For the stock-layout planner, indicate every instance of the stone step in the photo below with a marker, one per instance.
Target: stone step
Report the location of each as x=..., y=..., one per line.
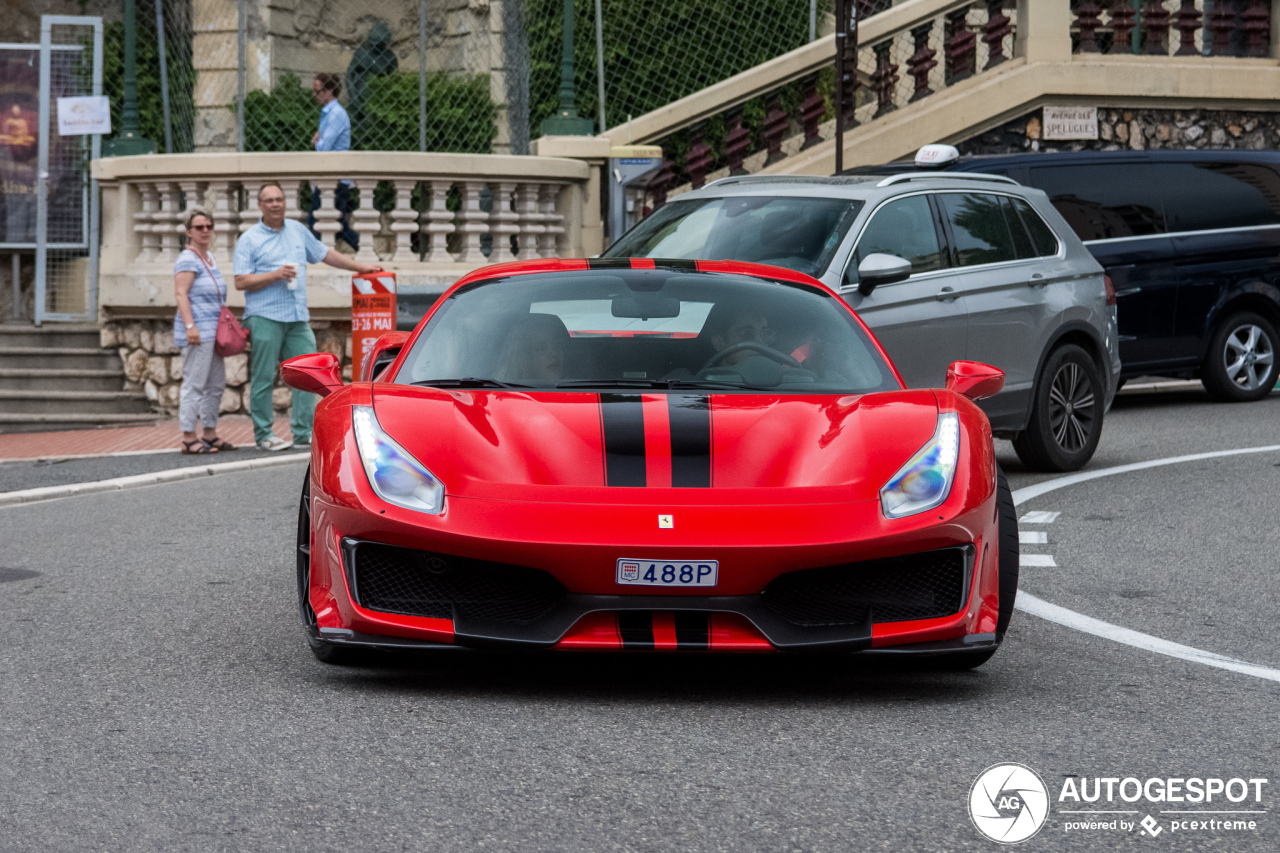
x=74, y=402
x=49, y=335
x=11, y=422
x=63, y=358
x=54, y=379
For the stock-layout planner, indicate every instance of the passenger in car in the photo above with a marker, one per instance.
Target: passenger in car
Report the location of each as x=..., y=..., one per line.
x=534, y=351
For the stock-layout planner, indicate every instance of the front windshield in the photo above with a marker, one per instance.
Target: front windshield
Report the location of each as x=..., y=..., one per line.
x=794, y=232
x=660, y=329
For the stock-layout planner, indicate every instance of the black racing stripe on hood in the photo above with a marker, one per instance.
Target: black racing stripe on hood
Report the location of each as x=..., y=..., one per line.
x=622, y=423
x=608, y=263
x=690, y=416
x=635, y=630
x=693, y=630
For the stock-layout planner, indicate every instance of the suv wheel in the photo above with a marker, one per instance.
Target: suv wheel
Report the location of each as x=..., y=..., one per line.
x=1241, y=363
x=1066, y=413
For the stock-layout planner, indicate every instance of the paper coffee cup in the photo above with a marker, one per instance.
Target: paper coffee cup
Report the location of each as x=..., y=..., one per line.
x=292, y=283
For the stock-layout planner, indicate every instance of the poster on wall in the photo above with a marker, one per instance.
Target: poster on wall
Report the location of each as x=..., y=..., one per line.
x=19, y=144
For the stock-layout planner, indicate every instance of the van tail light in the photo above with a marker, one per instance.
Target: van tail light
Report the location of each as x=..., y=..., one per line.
x=1111, y=290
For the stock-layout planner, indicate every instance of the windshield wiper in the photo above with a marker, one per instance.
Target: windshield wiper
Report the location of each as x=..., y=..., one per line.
x=613, y=383
x=469, y=382
x=668, y=384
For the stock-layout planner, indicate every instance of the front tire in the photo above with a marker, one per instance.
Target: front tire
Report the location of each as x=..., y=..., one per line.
x=1066, y=413
x=1008, y=566
x=324, y=651
x=1240, y=366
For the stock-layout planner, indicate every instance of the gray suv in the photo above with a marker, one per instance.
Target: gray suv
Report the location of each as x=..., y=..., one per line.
x=943, y=267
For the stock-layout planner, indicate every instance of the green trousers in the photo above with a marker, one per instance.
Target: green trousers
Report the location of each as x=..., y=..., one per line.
x=273, y=342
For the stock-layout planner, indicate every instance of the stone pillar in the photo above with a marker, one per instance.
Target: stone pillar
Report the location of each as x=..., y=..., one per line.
x=1044, y=30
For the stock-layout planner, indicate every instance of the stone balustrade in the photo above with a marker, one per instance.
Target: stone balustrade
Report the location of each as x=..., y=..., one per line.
x=429, y=217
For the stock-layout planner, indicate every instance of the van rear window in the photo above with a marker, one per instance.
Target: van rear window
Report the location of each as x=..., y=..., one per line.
x=1102, y=202
x=1200, y=196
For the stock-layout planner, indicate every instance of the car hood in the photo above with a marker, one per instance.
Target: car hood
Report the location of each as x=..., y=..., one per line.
x=578, y=446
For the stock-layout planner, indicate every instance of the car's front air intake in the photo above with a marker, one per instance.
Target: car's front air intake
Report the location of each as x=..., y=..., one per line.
x=897, y=589
x=422, y=583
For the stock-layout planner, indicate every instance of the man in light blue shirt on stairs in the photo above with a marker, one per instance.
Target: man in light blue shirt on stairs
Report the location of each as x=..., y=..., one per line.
x=270, y=266
x=334, y=135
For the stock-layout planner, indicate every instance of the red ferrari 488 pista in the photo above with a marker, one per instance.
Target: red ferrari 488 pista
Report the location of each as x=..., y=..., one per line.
x=650, y=455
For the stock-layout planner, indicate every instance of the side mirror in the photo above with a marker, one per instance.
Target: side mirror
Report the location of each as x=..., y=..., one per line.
x=317, y=372
x=879, y=268
x=382, y=353
x=974, y=380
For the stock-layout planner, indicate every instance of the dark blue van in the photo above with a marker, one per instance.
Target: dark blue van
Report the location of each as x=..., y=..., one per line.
x=1191, y=242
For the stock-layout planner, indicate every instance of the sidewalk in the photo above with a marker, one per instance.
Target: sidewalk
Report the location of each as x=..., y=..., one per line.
x=105, y=441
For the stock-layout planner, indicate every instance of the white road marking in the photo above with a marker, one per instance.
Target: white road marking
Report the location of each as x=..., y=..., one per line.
x=1036, y=560
x=46, y=493
x=1038, y=517
x=1029, y=603
x=1033, y=537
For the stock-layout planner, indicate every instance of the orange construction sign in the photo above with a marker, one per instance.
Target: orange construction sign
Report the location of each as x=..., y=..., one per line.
x=373, y=313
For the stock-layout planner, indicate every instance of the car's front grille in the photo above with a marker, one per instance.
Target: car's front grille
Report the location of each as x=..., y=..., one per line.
x=422, y=583
x=896, y=589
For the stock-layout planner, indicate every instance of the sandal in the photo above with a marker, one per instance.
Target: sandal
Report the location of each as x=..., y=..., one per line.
x=218, y=443
x=197, y=447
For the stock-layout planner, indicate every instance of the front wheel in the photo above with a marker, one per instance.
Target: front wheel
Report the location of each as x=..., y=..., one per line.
x=1066, y=413
x=1008, y=564
x=1241, y=363
x=324, y=651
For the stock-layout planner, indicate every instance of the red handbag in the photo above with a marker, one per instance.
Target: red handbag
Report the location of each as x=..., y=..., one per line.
x=231, y=338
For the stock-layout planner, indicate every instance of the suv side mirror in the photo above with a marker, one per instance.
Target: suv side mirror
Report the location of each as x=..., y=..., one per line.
x=974, y=380
x=879, y=268
x=317, y=372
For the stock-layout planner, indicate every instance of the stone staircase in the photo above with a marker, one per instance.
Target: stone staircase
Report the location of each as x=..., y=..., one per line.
x=57, y=377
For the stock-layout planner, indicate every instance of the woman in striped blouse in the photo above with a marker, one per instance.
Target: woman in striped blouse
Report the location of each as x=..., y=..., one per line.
x=200, y=292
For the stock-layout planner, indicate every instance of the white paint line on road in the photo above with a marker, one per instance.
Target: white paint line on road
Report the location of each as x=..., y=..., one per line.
x=1045, y=560
x=1039, y=517
x=1033, y=537
x=1029, y=603
x=155, y=478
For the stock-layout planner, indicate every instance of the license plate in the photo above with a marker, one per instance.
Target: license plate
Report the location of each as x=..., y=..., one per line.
x=668, y=572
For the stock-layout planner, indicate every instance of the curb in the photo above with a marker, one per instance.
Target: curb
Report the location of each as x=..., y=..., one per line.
x=155, y=478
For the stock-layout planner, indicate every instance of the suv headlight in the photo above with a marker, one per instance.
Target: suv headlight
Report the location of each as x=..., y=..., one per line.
x=925, y=481
x=395, y=475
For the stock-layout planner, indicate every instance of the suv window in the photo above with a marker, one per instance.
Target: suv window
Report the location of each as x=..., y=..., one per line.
x=1203, y=195
x=903, y=227
x=978, y=227
x=1042, y=235
x=1101, y=202
x=801, y=233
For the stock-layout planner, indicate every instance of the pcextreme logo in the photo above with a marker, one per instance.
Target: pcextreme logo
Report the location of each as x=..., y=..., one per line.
x=1009, y=803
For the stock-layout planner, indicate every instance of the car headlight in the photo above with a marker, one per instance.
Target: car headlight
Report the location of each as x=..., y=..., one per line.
x=925, y=481
x=395, y=475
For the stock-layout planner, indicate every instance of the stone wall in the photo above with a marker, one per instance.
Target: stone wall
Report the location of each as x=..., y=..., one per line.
x=1138, y=130
x=153, y=362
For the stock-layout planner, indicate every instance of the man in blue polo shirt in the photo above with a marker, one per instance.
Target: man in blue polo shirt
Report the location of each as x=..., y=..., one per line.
x=270, y=266
x=334, y=135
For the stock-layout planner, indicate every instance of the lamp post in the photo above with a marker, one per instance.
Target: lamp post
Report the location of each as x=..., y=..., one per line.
x=129, y=140
x=566, y=121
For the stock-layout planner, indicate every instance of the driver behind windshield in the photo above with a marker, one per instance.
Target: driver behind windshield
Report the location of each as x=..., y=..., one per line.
x=534, y=351
x=733, y=325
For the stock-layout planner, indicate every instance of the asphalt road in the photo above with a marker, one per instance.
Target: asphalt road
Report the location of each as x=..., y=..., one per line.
x=155, y=692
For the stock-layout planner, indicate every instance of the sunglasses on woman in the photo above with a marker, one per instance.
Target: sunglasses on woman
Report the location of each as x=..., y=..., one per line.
x=201, y=228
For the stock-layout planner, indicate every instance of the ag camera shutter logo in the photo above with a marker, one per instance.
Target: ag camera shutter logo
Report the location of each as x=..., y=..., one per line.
x=1008, y=803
